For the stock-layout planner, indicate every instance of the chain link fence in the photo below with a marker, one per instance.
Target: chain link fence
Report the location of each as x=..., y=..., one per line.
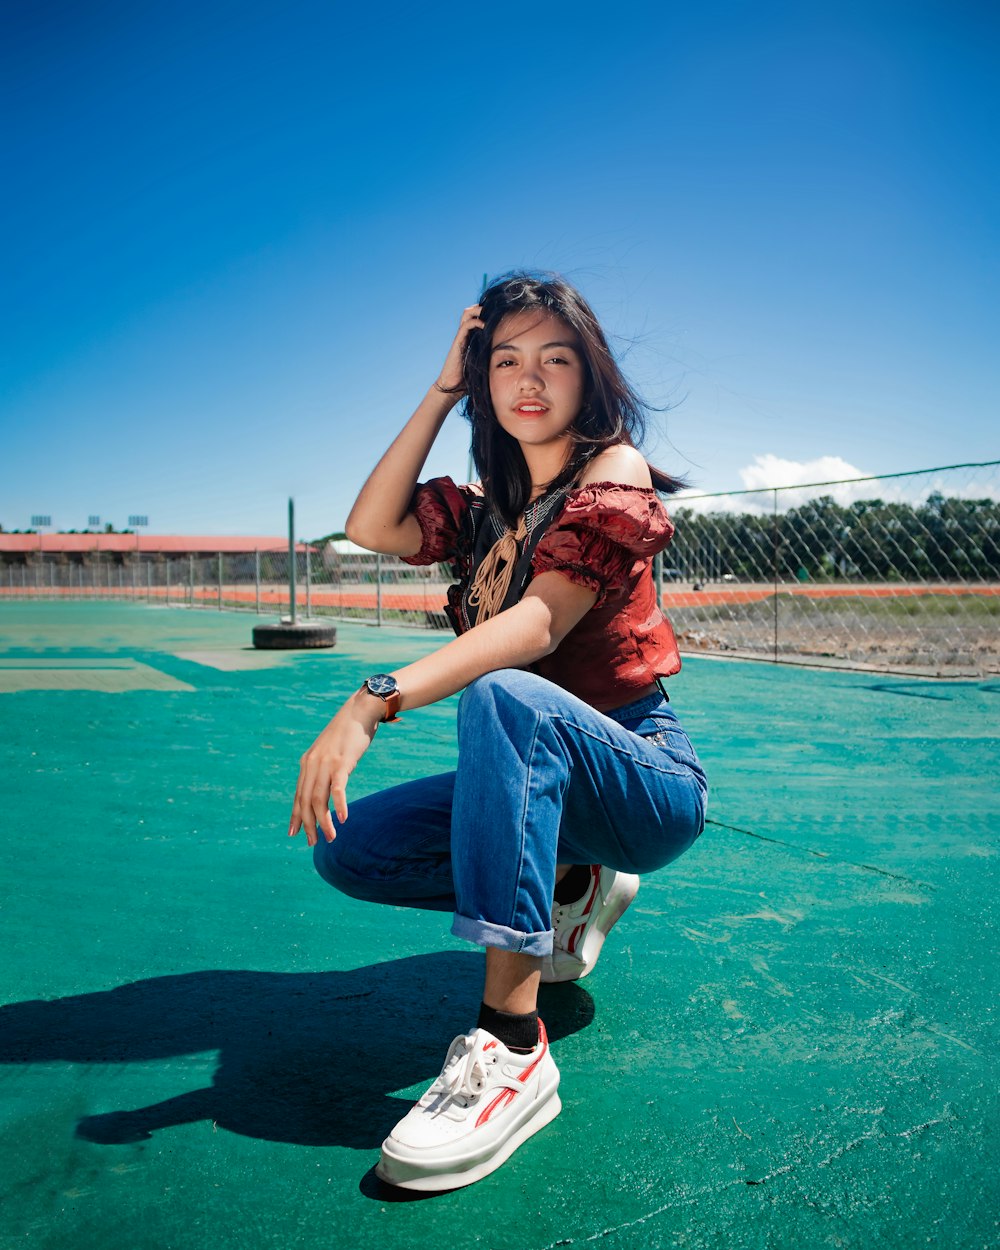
x=352, y=586
x=900, y=573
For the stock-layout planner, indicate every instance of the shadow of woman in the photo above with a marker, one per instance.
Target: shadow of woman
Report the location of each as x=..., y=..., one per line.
x=309, y=1058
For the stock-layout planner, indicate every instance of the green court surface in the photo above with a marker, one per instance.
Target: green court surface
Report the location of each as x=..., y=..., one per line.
x=790, y=1041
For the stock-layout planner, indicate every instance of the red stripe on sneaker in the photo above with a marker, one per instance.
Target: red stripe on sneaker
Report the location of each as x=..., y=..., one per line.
x=595, y=872
x=501, y=1100
x=508, y=1094
x=490, y=1045
x=571, y=944
x=543, y=1041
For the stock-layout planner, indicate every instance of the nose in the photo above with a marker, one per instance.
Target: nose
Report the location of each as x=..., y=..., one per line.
x=528, y=380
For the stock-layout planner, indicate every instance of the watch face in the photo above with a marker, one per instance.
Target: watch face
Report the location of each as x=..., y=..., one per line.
x=381, y=684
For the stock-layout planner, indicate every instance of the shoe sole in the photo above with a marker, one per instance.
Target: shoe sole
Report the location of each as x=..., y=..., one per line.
x=405, y=1174
x=613, y=908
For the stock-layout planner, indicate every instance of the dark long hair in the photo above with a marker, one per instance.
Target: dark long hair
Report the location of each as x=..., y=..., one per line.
x=612, y=412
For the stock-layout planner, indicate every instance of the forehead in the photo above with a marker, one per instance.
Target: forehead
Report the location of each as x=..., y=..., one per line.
x=534, y=326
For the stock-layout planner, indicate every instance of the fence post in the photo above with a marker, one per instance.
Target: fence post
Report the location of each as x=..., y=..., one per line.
x=190, y=581
x=220, y=581
x=292, y=592
x=167, y=587
x=308, y=583
x=378, y=588
x=256, y=577
x=774, y=560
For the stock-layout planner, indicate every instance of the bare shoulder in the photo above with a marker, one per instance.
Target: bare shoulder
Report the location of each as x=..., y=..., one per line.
x=620, y=463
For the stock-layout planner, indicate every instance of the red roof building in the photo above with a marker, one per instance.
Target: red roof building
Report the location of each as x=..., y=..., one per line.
x=21, y=548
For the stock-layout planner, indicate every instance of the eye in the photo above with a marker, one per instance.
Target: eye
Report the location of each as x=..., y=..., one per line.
x=502, y=362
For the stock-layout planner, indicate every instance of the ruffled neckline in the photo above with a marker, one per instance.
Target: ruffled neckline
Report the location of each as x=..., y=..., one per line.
x=606, y=485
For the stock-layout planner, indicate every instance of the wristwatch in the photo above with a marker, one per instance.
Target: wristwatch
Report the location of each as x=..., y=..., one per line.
x=385, y=688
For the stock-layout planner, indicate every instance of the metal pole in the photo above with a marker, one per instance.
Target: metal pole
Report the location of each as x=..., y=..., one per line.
x=308, y=583
x=378, y=588
x=291, y=558
x=191, y=581
x=256, y=577
x=220, y=581
x=774, y=558
x=167, y=581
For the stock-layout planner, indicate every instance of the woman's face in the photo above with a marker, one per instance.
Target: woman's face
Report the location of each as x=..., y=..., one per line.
x=537, y=377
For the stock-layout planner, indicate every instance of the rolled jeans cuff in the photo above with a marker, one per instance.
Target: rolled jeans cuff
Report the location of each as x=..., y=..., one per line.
x=483, y=933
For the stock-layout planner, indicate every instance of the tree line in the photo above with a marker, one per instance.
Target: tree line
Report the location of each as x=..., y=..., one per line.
x=944, y=539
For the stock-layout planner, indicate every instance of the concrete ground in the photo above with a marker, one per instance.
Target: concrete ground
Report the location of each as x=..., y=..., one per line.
x=790, y=1040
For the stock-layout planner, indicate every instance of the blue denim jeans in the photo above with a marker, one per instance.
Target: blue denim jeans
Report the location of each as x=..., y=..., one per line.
x=542, y=779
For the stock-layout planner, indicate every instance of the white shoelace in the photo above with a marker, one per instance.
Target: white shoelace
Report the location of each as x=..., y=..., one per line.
x=465, y=1074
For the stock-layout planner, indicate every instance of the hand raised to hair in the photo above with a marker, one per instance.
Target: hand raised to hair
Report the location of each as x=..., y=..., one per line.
x=451, y=376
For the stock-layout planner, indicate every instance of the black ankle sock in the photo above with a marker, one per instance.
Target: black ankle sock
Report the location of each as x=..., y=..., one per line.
x=518, y=1033
x=574, y=884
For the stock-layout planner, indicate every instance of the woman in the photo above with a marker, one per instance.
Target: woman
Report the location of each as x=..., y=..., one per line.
x=573, y=773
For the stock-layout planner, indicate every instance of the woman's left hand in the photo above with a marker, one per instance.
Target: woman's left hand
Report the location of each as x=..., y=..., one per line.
x=326, y=766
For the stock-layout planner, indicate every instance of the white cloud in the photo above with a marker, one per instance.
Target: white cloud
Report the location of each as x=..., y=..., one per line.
x=768, y=471
x=802, y=480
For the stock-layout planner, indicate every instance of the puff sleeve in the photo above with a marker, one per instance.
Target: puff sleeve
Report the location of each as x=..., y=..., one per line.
x=605, y=533
x=440, y=508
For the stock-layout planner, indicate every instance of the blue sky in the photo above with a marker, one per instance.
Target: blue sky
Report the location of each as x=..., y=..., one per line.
x=237, y=237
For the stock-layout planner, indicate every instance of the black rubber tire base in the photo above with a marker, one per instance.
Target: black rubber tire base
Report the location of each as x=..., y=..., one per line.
x=289, y=637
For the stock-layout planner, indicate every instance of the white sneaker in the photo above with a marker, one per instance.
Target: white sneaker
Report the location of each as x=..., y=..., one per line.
x=581, y=927
x=487, y=1101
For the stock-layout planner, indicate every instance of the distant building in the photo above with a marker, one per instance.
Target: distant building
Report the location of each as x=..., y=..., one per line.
x=84, y=549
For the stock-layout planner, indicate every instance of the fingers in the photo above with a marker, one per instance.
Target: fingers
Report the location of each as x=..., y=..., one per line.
x=450, y=379
x=339, y=796
x=311, y=810
x=325, y=768
x=471, y=319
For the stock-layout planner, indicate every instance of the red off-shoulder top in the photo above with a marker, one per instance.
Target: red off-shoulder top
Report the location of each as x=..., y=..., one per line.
x=604, y=537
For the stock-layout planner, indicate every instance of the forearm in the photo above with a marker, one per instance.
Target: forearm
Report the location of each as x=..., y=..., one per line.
x=523, y=633
x=380, y=518
x=513, y=640
x=530, y=629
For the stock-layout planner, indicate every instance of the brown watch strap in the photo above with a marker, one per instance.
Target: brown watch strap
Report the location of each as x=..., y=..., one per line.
x=391, y=707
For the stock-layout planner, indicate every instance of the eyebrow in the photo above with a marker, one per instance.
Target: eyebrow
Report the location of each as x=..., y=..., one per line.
x=509, y=347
